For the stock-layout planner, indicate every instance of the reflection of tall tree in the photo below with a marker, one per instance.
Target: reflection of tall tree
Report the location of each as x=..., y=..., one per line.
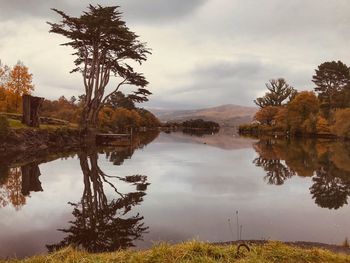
x=331, y=187
x=101, y=225
x=17, y=183
x=276, y=171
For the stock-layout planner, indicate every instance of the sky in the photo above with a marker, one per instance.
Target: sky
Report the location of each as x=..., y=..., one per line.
x=204, y=52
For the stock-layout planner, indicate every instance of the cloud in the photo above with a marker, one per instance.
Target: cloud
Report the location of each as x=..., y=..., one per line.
x=205, y=52
x=135, y=10
x=238, y=81
x=159, y=10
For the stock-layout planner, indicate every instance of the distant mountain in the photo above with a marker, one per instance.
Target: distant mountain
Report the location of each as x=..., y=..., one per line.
x=225, y=115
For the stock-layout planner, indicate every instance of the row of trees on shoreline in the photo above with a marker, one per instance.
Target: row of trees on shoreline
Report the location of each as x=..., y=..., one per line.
x=324, y=111
x=119, y=112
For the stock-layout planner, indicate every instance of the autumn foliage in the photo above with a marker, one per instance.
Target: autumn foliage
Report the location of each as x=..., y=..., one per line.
x=325, y=112
x=14, y=83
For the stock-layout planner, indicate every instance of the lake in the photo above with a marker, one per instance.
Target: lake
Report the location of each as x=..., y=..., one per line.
x=175, y=187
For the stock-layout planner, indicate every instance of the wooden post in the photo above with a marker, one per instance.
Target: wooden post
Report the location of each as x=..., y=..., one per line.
x=31, y=107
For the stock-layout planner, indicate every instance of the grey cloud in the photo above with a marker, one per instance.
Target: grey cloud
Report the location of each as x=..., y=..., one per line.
x=135, y=10
x=227, y=69
x=159, y=10
x=274, y=19
x=225, y=82
x=233, y=46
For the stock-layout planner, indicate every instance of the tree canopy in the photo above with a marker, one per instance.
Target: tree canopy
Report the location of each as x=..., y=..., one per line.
x=278, y=92
x=104, y=47
x=14, y=83
x=332, y=80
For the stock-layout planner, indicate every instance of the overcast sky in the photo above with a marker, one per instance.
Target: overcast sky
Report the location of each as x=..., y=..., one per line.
x=205, y=52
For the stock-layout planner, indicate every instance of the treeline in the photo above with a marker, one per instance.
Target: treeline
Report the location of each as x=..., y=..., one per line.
x=324, y=111
x=193, y=124
x=118, y=114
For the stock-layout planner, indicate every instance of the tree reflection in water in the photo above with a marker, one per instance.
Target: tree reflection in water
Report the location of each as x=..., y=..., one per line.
x=331, y=186
x=103, y=225
x=17, y=183
x=328, y=163
x=276, y=171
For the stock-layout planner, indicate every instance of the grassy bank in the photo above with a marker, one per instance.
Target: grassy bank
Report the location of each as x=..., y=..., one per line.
x=198, y=252
x=257, y=130
x=16, y=124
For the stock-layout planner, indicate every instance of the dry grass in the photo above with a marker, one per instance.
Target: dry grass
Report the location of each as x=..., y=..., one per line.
x=196, y=252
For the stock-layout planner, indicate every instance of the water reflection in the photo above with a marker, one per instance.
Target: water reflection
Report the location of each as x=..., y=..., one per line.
x=17, y=183
x=19, y=174
x=99, y=206
x=328, y=163
x=199, y=132
x=102, y=218
x=102, y=225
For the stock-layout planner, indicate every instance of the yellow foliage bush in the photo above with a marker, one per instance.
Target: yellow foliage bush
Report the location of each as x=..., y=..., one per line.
x=341, y=125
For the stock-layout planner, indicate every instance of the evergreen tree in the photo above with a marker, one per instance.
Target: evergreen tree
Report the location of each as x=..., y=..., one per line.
x=332, y=81
x=104, y=47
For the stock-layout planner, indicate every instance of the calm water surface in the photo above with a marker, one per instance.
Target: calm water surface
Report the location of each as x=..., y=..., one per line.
x=174, y=188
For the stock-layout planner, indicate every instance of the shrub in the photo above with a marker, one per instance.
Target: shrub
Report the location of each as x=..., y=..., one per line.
x=322, y=126
x=341, y=125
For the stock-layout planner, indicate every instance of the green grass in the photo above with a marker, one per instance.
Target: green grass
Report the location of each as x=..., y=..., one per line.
x=196, y=252
x=16, y=124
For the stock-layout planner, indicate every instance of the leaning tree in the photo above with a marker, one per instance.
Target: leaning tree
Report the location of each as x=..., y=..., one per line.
x=104, y=48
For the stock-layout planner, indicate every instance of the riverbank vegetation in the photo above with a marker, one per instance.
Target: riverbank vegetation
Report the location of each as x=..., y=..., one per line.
x=322, y=112
x=197, y=252
x=118, y=114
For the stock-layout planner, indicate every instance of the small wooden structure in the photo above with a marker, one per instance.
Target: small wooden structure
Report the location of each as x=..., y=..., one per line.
x=30, y=179
x=31, y=107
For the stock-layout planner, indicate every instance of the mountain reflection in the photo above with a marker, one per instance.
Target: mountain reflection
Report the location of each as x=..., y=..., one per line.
x=328, y=163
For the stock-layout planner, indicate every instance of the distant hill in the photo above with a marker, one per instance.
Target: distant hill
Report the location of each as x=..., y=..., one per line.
x=225, y=115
